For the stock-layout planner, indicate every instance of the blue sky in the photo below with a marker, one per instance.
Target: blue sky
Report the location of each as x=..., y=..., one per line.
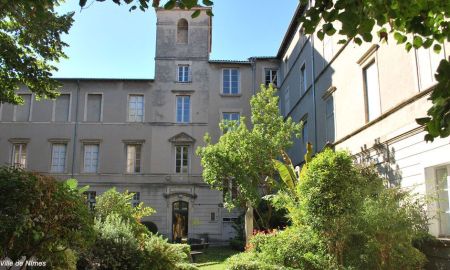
x=108, y=41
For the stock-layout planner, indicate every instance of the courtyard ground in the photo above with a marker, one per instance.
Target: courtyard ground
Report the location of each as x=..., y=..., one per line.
x=213, y=258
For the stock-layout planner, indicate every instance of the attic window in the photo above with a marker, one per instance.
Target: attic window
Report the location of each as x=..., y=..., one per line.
x=182, y=31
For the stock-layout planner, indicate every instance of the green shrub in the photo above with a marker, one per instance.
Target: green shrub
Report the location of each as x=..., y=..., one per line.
x=122, y=242
x=62, y=260
x=161, y=255
x=343, y=217
x=115, y=246
x=120, y=204
x=32, y=222
x=389, y=231
x=294, y=247
x=249, y=261
x=363, y=224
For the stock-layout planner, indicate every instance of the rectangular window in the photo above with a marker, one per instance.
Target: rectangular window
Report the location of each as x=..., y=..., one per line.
x=19, y=155
x=91, y=158
x=182, y=159
x=58, y=157
x=23, y=111
x=305, y=133
x=133, y=158
x=303, y=85
x=271, y=77
x=231, y=81
x=136, y=108
x=136, y=199
x=442, y=187
x=183, y=109
x=231, y=116
x=427, y=61
x=94, y=108
x=286, y=67
x=229, y=189
x=184, y=73
x=329, y=119
x=372, y=92
x=287, y=102
x=213, y=216
x=90, y=199
x=62, y=108
x=328, y=50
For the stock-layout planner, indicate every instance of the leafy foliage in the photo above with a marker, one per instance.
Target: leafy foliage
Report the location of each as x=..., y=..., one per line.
x=437, y=124
x=120, y=203
x=30, y=40
x=296, y=247
x=122, y=242
x=244, y=155
x=247, y=261
x=169, y=4
x=361, y=223
x=116, y=246
x=31, y=220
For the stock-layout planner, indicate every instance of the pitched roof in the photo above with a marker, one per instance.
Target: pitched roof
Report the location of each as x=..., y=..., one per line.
x=291, y=30
x=222, y=61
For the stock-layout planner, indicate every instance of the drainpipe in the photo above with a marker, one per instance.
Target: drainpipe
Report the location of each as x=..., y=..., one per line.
x=313, y=87
x=75, y=129
x=253, y=62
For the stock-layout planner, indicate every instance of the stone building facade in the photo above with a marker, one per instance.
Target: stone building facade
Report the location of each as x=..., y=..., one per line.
x=141, y=135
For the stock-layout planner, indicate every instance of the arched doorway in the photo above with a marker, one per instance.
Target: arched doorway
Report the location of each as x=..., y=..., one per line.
x=180, y=213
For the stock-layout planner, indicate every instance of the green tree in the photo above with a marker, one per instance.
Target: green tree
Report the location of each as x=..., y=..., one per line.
x=363, y=224
x=31, y=220
x=30, y=44
x=244, y=155
x=122, y=242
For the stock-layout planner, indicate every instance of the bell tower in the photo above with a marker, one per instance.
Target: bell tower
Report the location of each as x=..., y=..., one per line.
x=181, y=37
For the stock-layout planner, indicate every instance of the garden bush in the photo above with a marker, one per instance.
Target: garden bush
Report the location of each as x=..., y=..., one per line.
x=115, y=246
x=295, y=247
x=161, y=255
x=363, y=224
x=122, y=242
x=250, y=261
x=343, y=216
x=31, y=221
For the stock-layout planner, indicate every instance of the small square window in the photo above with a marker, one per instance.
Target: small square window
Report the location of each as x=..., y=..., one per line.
x=271, y=77
x=184, y=73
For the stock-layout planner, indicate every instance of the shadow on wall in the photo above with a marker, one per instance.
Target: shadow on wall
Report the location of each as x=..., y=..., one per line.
x=383, y=157
x=309, y=96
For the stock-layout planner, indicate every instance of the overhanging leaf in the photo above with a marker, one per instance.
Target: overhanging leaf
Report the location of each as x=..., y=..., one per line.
x=286, y=173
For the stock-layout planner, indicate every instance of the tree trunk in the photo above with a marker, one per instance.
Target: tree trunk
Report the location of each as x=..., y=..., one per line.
x=248, y=222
